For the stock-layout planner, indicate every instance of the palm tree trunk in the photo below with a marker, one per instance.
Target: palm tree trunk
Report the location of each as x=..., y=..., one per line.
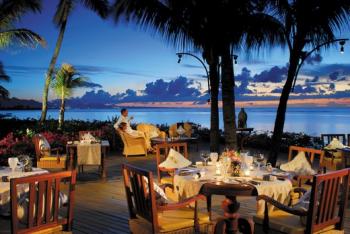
x=51, y=69
x=62, y=109
x=282, y=108
x=228, y=103
x=214, y=108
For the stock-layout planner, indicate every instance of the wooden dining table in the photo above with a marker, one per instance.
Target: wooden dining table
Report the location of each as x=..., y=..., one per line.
x=187, y=185
x=72, y=150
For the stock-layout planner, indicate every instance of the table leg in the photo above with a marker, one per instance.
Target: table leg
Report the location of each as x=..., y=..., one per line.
x=103, y=172
x=231, y=207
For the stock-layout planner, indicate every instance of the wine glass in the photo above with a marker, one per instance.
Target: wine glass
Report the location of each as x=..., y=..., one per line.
x=13, y=161
x=259, y=159
x=214, y=157
x=205, y=156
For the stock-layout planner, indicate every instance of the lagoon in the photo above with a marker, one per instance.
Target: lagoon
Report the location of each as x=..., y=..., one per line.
x=312, y=121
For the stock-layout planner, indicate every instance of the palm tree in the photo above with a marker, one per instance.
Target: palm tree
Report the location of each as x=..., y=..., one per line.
x=214, y=27
x=64, y=9
x=66, y=80
x=305, y=24
x=10, y=12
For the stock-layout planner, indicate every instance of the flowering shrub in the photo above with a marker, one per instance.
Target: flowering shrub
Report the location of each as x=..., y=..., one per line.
x=13, y=146
x=56, y=139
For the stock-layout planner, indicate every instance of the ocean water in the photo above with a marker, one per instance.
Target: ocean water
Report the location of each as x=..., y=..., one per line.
x=312, y=121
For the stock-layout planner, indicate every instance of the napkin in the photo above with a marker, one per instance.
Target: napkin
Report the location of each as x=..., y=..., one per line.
x=299, y=165
x=335, y=144
x=88, y=138
x=175, y=160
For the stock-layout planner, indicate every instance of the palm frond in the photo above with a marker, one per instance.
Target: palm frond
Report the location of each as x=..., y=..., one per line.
x=101, y=7
x=12, y=10
x=63, y=9
x=22, y=37
x=3, y=75
x=4, y=93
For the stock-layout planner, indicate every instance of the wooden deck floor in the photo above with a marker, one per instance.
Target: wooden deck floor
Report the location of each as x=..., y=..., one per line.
x=100, y=206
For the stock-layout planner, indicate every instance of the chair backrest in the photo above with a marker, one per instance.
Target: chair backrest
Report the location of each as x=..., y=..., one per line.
x=328, y=201
x=173, y=129
x=327, y=138
x=309, y=153
x=140, y=194
x=44, y=198
x=36, y=141
x=162, y=151
x=95, y=133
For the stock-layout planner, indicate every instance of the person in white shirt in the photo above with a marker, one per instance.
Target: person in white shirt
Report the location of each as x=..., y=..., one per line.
x=123, y=123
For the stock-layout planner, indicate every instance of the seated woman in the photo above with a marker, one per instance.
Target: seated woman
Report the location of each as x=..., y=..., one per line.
x=133, y=133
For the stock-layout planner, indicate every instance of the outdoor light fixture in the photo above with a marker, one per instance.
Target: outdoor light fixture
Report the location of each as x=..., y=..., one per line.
x=342, y=43
x=235, y=57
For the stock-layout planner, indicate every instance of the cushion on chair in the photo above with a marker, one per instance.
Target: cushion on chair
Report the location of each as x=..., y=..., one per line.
x=283, y=222
x=175, y=160
x=43, y=144
x=299, y=165
x=166, y=180
x=171, y=221
x=335, y=144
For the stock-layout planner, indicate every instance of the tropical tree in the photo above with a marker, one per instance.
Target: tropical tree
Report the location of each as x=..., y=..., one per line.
x=213, y=27
x=305, y=24
x=66, y=80
x=10, y=12
x=63, y=11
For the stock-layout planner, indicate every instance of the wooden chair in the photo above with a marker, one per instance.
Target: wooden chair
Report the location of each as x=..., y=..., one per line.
x=148, y=216
x=95, y=133
x=326, y=211
x=173, y=129
x=327, y=138
x=133, y=145
x=45, y=157
x=166, y=175
x=43, y=210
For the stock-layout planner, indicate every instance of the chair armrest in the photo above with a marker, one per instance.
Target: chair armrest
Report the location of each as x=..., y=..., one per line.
x=281, y=206
x=184, y=203
x=167, y=169
x=299, y=190
x=164, y=186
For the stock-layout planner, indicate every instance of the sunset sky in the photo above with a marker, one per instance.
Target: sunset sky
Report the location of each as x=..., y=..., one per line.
x=121, y=57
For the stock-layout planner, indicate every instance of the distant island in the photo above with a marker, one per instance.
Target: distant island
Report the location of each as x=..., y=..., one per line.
x=23, y=104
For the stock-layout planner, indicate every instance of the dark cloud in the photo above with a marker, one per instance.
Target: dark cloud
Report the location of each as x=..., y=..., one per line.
x=334, y=76
x=275, y=75
x=332, y=87
x=299, y=89
x=277, y=90
x=192, y=66
x=244, y=76
x=312, y=60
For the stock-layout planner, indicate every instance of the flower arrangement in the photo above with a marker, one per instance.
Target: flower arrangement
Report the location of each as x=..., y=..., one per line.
x=235, y=161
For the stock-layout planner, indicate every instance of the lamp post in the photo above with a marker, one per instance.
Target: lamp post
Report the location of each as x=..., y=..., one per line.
x=180, y=54
x=305, y=55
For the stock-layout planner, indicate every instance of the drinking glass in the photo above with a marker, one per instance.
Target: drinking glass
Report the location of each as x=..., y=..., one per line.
x=205, y=156
x=214, y=157
x=13, y=161
x=259, y=159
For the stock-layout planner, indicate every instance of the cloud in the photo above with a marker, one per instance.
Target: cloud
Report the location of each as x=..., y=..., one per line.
x=331, y=87
x=275, y=75
x=244, y=76
x=334, y=75
x=299, y=89
x=312, y=60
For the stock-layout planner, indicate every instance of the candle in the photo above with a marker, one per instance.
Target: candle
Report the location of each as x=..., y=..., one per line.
x=247, y=173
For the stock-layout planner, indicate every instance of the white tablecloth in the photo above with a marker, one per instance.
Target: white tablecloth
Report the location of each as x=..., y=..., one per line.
x=187, y=186
x=5, y=186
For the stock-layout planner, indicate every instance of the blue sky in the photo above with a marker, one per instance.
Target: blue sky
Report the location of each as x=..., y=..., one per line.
x=121, y=57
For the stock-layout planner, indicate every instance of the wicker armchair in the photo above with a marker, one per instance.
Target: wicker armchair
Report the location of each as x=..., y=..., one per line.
x=133, y=145
x=148, y=129
x=186, y=126
x=47, y=157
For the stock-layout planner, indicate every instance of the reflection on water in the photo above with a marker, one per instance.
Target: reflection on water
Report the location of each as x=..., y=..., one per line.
x=313, y=121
